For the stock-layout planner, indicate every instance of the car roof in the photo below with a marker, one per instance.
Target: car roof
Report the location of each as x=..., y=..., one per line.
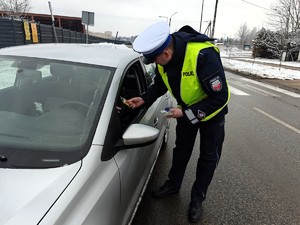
x=99, y=54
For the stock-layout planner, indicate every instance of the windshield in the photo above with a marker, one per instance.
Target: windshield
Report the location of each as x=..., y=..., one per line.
x=48, y=110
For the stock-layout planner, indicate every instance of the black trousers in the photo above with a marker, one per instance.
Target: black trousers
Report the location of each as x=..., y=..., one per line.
x=212, y=135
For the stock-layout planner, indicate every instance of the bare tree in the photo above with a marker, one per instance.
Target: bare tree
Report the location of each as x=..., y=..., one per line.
x=15, y=8
x=284, y=16
x=252, y=35
x=243, y=33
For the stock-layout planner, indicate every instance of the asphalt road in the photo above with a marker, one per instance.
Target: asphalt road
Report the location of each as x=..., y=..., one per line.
x=258, y=179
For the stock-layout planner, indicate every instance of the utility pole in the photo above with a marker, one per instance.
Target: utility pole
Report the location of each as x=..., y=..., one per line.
x=201, y=16
x=53, y=22
x=116, y=37
x=214, y=22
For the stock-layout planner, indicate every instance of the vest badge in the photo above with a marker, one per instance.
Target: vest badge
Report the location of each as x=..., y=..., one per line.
x=188, y=73
x=216, y=84
x=201, y=115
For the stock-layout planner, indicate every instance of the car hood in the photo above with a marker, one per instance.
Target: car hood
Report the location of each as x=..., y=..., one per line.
x=27, y=194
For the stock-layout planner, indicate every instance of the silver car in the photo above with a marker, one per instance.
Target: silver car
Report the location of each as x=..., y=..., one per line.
x=71, y=150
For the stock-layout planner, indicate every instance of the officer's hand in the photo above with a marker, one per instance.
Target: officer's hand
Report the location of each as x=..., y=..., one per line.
x=135, y=102
x=175, y=113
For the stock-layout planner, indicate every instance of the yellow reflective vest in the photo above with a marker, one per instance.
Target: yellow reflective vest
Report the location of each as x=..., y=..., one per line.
x=191, y=91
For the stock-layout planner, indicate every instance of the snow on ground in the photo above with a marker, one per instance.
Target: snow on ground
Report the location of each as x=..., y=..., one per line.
x=255, y=66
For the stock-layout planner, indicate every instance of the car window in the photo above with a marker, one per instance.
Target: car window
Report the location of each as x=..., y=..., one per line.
x=48, y=109
x=133, y=85
x=45, y=70
x=7, y=73
x=150, y=72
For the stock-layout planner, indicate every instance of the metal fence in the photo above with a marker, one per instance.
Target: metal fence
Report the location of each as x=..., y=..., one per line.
x=18, y=32
x=11, y=33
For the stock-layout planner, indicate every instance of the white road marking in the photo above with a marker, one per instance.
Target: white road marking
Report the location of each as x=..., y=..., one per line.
x=255, y=89
x=278, y=120
x=237, y=91
x=295, y=95
x=260, y=91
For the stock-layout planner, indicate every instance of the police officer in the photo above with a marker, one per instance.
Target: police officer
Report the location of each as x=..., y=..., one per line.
x=190, y=68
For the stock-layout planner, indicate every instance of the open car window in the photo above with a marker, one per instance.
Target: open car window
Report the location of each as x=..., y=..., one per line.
x=133, y=84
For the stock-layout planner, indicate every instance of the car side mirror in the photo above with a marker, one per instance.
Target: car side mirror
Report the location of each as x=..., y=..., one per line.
x=136, y=135
x=139, y=135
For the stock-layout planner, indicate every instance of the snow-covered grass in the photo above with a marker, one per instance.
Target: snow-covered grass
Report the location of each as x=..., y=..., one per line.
x=266, y=68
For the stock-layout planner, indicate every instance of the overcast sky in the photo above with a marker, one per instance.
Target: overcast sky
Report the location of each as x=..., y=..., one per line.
x=130, y=17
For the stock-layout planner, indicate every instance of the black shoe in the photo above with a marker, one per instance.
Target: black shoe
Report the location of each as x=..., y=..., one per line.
x=195, y=211
x=165, y=190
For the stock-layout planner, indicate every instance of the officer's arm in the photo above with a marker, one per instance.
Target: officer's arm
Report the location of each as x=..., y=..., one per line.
x=212, y=79
x=156, y=90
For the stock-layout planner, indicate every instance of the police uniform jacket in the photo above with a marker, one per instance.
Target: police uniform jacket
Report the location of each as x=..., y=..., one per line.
x=209, y=71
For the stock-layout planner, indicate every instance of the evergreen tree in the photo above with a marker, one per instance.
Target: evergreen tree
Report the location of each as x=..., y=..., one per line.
x=267, y=44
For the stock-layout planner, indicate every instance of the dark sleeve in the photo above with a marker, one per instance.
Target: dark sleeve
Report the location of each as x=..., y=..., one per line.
x=213, y=81
x=157, y=89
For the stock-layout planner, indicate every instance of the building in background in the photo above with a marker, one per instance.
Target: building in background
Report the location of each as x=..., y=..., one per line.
x=65, y=22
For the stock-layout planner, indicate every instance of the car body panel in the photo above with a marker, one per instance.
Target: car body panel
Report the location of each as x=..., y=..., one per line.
x=94, y=193
x=139, y=162
x=73, y=52
x=33, y=191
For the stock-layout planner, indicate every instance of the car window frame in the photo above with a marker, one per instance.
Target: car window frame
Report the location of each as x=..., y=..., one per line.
x=113, y=141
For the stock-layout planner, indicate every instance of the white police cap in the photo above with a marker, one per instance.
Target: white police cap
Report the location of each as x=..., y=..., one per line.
x=153, y=40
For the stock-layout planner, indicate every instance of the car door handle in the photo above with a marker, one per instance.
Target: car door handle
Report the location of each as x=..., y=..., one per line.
x=155, y=122
x=166, y=97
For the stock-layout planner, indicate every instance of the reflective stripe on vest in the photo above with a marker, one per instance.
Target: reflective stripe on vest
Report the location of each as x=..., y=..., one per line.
x=191, y=91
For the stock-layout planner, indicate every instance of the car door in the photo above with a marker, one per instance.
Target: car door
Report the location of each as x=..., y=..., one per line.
x=135, y=164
